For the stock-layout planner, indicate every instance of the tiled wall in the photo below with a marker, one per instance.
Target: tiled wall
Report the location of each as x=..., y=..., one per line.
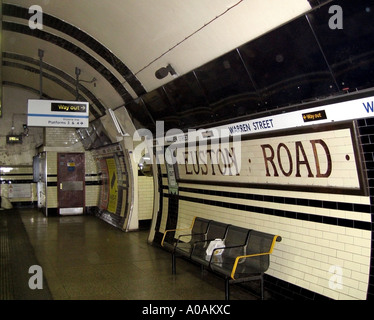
x=11, y=122
x=326, y=236
x=16, y=184
x=145, y=192
x=67, y=140
x=62, y=138
x=92, y=180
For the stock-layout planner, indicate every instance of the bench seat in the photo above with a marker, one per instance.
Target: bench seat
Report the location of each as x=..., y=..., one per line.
x=196, y=232
x=251, y=264
x=215, y=230
x=244, y=257
x=236, y=238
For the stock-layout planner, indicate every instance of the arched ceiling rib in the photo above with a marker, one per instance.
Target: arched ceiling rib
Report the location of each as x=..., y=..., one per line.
x=81, y=36
x=122, y=43
x=17, y=35
x=26, y=88
x=25, y=30
x=61, y=78
x=62, y=61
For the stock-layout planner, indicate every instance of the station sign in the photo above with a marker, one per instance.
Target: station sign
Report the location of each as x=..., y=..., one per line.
x=56, y=113
x=314, y=116
x=329, y=113
x=322, y=113
x=324, y=159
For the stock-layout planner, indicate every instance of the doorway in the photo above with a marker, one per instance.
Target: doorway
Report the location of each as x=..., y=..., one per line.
x=71, y=183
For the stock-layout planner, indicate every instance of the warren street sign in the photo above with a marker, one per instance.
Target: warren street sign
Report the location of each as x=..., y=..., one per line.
x=55, y=113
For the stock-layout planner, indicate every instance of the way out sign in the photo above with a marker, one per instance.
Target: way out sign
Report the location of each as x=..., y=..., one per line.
x=54, y=113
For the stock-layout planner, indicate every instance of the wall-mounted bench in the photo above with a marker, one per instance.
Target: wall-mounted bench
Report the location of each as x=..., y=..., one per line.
x=245, y=256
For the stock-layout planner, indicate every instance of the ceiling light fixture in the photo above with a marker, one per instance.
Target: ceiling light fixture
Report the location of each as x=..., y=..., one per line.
x=164, y=71
x=117, y=124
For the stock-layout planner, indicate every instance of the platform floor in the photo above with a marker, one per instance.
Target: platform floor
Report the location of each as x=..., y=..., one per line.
x=84, y=258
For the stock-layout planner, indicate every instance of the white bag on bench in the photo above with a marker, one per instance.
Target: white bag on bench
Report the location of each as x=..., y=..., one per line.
x=217, y=243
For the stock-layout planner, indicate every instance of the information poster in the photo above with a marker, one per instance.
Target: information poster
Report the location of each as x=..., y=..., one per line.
x=20, y=190
x=113, y=185
x=104, y=196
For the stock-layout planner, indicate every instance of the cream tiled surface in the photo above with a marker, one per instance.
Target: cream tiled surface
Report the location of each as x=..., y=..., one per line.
x=308, y=251
x=84, y=258
x=145, y=194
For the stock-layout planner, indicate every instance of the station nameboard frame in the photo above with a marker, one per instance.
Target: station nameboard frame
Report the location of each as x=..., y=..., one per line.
x=57, y=113
x=323, y=159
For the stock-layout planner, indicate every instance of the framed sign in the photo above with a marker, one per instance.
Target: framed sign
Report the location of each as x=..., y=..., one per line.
x=12, y=139
x=51, y=113
x=172, y=174
x=20, y=191
x=323, y=159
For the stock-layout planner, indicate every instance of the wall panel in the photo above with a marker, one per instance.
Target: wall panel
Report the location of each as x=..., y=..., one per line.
x=326, y=232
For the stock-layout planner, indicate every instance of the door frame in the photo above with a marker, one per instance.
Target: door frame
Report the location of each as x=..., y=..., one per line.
x=73, y=210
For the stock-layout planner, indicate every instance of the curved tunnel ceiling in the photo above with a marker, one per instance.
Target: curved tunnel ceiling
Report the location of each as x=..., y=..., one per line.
x=122, y=43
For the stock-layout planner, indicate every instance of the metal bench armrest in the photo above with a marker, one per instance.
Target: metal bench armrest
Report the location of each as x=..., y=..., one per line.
x=275, y=239
x=171, y=230
x=242, y=257
x=191, y=235
x=226, y=252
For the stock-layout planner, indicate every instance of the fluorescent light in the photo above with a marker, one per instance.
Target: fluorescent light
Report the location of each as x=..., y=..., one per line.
x=118, y=126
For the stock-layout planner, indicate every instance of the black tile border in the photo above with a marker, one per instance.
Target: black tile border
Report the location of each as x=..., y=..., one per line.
x=283, y=200
x=366, y=136
x=279, y=213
